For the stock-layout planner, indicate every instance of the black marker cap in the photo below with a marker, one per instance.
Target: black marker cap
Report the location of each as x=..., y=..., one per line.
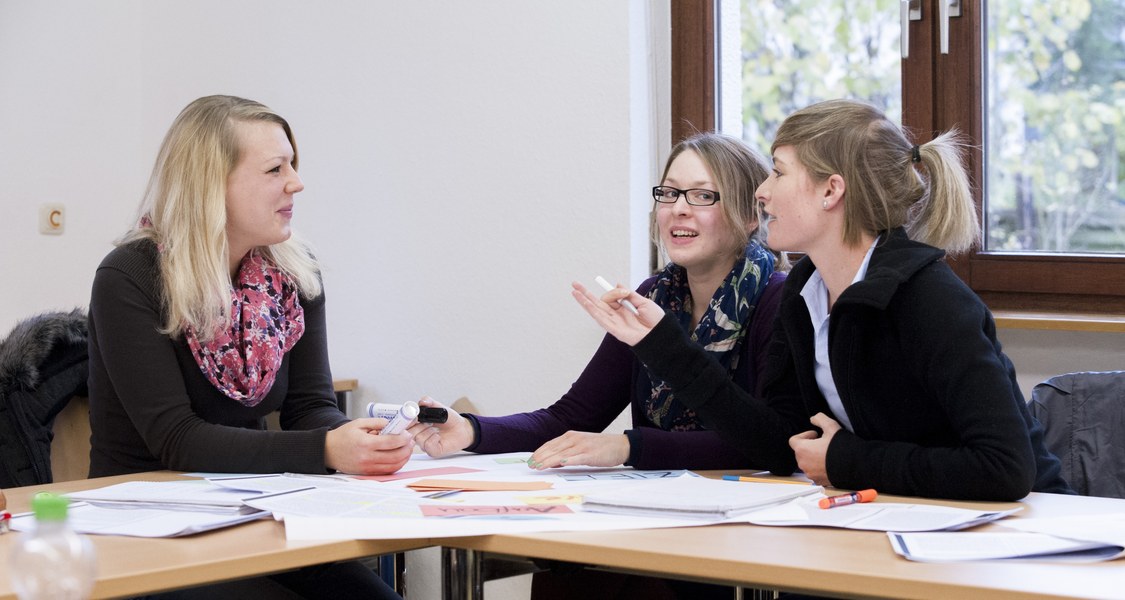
x=430, y=414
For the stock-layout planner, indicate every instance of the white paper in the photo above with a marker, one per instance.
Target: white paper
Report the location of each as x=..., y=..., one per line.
x=189, y=492
x=695, y=497
x=963, y=546
x=335, y=502
x=875, y=516
x=1104, y=528
x=287, y=482
x=319, y=528
x=141, y=522
x=391, y=511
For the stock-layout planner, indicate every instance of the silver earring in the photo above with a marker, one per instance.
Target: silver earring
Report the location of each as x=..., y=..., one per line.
x=825, y=205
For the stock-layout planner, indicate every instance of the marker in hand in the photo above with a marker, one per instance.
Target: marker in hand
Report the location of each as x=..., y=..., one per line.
x=607, y=286
x=402, y=419
x=846, y=499
x=426, y=414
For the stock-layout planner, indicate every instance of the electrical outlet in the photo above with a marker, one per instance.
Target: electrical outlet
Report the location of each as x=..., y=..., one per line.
x=52, y=219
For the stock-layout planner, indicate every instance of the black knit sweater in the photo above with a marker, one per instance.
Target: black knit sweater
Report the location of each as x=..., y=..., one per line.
x=152, y=408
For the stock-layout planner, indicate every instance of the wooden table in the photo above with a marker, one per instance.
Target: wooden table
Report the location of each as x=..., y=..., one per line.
x=826, y=562
x=130, y=566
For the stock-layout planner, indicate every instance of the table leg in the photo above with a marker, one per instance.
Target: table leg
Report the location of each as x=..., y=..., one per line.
x=462, y=574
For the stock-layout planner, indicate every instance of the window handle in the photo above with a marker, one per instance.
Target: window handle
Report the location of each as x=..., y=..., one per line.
x=947, y=9
x=908, y=10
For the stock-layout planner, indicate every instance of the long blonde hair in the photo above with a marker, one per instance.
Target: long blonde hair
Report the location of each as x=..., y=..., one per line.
x=884, y=190
x=184, y=213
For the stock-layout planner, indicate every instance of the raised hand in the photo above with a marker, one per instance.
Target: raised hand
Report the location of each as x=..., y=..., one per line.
x=616, y=319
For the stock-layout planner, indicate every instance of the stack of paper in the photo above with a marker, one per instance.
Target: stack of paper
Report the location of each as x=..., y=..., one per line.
x=141, y=522
x=1070, y=538
x=193, y=495
x=694, y=497
x=991, y=545
x=155, y=509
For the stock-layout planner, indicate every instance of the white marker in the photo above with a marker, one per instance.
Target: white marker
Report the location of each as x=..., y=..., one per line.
x=426, y=414
x=605, y=284
x=402, y=419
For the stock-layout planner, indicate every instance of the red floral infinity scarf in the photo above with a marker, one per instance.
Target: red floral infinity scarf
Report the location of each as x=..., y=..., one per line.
x=266, y=321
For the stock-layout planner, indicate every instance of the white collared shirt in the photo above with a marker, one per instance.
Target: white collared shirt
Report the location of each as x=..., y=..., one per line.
x=815, y=294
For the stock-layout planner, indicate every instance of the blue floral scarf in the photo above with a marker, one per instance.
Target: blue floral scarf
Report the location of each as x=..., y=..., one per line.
x=720, y=332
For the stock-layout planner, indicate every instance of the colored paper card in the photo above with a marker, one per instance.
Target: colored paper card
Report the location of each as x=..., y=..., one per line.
x=418, y=473
x=512, y=460
x=431, y=485
x=475, y=511
x=554, y=499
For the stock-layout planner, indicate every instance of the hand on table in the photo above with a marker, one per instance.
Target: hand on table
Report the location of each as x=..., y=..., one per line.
x=582, y=448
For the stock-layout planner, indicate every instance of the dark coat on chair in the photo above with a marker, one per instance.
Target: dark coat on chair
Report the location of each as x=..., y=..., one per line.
x=42, y=366
x=1084, y=417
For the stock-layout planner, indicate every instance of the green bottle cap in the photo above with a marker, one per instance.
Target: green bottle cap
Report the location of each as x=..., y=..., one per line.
x=49, y=507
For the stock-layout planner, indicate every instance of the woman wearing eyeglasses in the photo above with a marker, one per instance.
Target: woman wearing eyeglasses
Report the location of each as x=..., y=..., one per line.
x=718, y=285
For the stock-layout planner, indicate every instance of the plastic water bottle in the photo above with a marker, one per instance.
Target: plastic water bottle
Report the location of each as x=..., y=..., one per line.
x=52, y=561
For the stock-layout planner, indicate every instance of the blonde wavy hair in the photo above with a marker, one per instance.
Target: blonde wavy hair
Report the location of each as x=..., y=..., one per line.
x=184, y=213
x=877, y=161
x=738, y=171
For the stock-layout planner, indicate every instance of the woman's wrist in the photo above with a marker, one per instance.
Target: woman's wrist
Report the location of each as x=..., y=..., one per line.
x=472, y=431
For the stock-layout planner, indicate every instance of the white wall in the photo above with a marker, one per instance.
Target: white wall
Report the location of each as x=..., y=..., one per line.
x=463, y=163
x=1040, y=355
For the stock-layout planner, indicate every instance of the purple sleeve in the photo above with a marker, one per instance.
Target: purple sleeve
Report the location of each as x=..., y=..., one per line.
x=591, y=404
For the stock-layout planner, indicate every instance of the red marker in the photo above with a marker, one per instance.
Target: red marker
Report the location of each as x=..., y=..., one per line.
x=845, y=499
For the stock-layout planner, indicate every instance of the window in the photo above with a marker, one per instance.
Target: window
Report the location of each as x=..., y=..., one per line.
x=1055, y=131
x=1052, y=87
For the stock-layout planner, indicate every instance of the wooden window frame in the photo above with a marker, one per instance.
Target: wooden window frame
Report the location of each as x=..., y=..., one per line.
x=934, y=86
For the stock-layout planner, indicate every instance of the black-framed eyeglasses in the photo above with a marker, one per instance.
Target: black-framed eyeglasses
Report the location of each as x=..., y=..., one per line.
x=696, y=197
